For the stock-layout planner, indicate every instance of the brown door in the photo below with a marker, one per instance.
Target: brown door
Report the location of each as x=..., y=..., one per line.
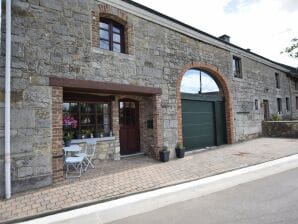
x=266, y=110
x=129, y=127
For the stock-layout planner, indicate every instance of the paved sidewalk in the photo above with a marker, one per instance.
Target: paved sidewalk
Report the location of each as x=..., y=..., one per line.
x=133, y=175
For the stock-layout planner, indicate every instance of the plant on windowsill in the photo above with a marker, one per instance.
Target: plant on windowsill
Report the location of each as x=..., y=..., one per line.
x=67, y=139
x=180, y=150
x=276, y=117
x=164, y=154
x=69, y=123
x=78, y=135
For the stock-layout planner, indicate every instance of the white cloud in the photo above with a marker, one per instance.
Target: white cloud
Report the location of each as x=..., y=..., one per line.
x=264, y=26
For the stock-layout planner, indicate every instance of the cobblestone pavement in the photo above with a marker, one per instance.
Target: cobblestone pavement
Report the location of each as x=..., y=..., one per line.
x=138, y=174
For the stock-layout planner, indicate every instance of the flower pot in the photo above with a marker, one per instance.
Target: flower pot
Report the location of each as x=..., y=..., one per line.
x=180, y=152
x=67, y=142
x=164, y=156
x=78, y=136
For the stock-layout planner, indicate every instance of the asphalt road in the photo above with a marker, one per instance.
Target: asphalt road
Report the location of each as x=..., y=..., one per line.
x=271, y=200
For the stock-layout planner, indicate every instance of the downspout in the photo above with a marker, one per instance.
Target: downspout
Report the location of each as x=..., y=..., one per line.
x=7, y=101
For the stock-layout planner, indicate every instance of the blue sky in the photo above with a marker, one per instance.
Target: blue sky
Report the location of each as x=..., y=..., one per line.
x=264, y=26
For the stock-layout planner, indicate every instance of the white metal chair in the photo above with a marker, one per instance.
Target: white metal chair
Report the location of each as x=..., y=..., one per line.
x=88, y=154
x=73, y=164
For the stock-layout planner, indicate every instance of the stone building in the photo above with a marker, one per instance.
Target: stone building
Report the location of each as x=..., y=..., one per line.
x=117, y=68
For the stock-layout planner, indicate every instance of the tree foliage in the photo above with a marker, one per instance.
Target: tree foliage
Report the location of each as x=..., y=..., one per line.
x=293, y=49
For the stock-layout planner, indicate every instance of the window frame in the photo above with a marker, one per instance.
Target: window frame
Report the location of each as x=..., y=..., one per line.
x=112, y=24
x=279, y=105
x=288, y=104
x=237, y=67
x=256, y=104
x=95, y=114
x=296, y=102
x=296, y=85
x=277, y=80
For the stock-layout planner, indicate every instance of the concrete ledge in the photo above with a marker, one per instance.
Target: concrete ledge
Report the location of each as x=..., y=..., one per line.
x=145, y=202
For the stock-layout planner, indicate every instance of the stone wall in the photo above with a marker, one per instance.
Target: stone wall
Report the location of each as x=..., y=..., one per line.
x=286, y=129
x=56, y=38
x=293, y=99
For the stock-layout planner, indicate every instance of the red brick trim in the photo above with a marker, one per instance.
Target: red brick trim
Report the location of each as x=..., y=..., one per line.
x=57, y=133
x=108, y=12
x=214, y=71
x=157, y=127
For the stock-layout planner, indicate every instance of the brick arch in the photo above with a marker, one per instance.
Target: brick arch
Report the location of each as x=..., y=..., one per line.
x=221, y=80
x=108, y=12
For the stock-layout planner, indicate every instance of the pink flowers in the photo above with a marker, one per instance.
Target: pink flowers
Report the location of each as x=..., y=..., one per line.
x=69, y=120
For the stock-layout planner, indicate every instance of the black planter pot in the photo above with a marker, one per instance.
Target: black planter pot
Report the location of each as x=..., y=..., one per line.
x=67, y=142
x=164, y=156
x=78, y=136
x=180, y=152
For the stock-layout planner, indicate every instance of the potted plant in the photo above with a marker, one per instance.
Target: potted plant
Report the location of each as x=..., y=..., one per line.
x=164, y=154
x=67, y=139
x=180, y=150
x=96, y=134
x=69, y=124
x=78, y=135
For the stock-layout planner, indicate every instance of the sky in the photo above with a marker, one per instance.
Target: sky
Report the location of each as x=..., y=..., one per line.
x=264, y=26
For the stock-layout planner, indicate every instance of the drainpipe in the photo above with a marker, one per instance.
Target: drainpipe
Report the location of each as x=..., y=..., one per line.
x=7, y=101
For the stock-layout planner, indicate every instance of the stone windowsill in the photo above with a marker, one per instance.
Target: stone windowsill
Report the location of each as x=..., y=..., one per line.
x=84, y=140
x=98, y=50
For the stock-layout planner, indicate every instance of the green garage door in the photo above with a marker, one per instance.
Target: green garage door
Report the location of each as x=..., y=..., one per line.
x=203, y=119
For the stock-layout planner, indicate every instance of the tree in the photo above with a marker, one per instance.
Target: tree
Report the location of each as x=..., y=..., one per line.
x=293, y=49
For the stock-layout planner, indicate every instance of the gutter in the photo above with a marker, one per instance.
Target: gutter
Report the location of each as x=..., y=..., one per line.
x=7, y=101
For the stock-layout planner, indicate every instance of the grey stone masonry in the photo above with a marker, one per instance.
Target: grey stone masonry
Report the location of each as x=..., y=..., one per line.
x=54, y=38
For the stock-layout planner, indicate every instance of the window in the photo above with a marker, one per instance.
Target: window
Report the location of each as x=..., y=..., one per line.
x=277, y=80
x=111, y=36
x=196, y=81
x=237, y=67
x=287, y=104
x=296, y=84
x=256, y=105
x=296, y=102
x=93, y=118
x=279, y=105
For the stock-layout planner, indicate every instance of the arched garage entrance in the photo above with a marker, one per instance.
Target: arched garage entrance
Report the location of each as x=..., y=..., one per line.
x=204, y=108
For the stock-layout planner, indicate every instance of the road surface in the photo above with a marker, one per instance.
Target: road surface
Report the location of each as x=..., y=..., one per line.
x=271, y=200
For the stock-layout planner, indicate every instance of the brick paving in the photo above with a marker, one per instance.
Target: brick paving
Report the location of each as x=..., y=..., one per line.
x=113, y=179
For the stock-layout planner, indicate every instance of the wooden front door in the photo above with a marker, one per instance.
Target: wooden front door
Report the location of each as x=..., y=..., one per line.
x=129, y=127
x=266, y=110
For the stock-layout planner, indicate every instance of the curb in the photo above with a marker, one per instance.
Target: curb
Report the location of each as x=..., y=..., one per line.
x=148, y=201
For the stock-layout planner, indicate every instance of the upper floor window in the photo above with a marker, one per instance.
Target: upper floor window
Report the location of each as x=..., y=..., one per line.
x=111, y=36
x=256, y=105
x=296, y=84
x=277, y=80
x=237, y=67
